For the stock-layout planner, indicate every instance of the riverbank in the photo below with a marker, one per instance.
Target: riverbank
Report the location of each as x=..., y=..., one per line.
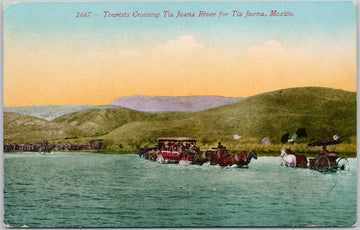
x=259, y=153
x=344, y=149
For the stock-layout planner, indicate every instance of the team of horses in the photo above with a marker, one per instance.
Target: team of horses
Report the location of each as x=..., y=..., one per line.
x=223, y=158
x=292, y=159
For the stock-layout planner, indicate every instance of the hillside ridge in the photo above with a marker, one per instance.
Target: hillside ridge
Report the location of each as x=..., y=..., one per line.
x=138, y=102
x=322, y=112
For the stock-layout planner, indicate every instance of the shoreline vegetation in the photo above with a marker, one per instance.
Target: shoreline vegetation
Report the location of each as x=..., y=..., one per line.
x=346, y=150
x=260, y=153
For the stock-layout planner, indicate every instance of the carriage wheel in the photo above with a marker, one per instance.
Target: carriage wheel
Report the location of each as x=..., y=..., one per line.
x=342, y=163
x=322, y=163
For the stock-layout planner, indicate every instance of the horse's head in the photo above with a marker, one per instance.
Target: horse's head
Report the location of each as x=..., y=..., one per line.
x=253, y=154
x=283, y=152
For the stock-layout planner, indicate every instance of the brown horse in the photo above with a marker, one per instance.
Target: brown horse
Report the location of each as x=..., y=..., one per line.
x=147, y=153
x=223, y=158
x=301, y=161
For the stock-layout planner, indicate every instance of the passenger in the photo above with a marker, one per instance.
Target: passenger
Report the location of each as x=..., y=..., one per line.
x=324, y=151
x=192, y=149
x=167, y=146
x=184, y=150
x=220, y=146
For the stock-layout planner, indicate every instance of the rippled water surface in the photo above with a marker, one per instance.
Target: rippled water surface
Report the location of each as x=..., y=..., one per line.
x=98, y=190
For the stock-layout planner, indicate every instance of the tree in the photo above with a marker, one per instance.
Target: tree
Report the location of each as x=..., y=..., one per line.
x=301, y=132
x=285, y=138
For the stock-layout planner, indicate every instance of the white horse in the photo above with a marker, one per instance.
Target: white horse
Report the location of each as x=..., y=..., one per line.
x=288, y=159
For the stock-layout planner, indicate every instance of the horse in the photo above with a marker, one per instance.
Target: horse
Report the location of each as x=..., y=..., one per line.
x=250, y=156
x=242, y=159
x=202, y=157
x=301, y=161
x=288, y=159
x=147, y=153
x=223, y=158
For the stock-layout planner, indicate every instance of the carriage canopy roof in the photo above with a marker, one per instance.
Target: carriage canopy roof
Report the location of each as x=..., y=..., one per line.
x=176, y=139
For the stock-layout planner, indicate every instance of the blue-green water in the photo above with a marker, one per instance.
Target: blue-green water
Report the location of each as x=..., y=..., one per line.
x=98, y=190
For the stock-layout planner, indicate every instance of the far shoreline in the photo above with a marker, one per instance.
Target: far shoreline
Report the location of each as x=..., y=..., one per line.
x=259, y=153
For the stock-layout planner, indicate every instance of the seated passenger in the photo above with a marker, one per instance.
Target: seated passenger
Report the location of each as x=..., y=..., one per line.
x=324, y=151
x=167, y=146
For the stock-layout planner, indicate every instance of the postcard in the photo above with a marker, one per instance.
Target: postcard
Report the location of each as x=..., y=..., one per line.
x=179, y=114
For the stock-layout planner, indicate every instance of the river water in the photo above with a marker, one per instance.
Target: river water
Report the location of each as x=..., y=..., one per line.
x=72, y=189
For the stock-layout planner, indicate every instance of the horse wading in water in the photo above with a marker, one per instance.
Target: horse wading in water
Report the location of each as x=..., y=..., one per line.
x=223, y=158
x=288, y=159
x=301, y=161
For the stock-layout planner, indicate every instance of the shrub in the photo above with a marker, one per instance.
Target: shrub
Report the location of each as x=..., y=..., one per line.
x=301, y=132
x=285, y=138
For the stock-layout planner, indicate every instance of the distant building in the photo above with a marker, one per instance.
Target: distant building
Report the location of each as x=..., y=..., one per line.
x=265, y=141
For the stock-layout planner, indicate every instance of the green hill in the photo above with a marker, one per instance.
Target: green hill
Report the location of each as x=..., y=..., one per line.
x=22, y=129
x=322, y=112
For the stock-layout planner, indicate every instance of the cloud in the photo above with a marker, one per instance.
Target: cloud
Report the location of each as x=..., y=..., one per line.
x=273, y=51
x=185, y=49
x=184, y=43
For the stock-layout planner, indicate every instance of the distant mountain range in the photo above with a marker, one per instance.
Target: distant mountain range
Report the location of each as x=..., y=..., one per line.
x=173, y=104
x=138, y=103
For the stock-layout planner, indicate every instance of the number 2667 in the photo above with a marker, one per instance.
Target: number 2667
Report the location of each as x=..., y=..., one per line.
x=83, y=14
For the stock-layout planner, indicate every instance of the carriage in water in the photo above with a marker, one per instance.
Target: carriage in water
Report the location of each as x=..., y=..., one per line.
x=183, y=150
x=327, y=161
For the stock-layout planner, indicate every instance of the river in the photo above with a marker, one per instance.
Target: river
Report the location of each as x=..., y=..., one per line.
x=79, y=189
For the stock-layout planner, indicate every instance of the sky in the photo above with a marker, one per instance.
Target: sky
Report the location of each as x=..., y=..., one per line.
x=53, y=57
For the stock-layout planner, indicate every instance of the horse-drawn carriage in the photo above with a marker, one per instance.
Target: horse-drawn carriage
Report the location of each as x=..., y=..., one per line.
x=327, y=161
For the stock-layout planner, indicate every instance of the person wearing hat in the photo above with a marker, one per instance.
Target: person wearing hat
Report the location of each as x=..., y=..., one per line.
x=184, y=150
x=220, y=146
x=192, y=148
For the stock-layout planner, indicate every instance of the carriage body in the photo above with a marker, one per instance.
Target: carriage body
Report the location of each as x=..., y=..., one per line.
x=168, y=150
x=324, y=162
x=327, y=161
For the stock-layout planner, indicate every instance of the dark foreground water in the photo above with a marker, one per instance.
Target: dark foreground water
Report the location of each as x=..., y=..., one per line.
x=96, y=190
